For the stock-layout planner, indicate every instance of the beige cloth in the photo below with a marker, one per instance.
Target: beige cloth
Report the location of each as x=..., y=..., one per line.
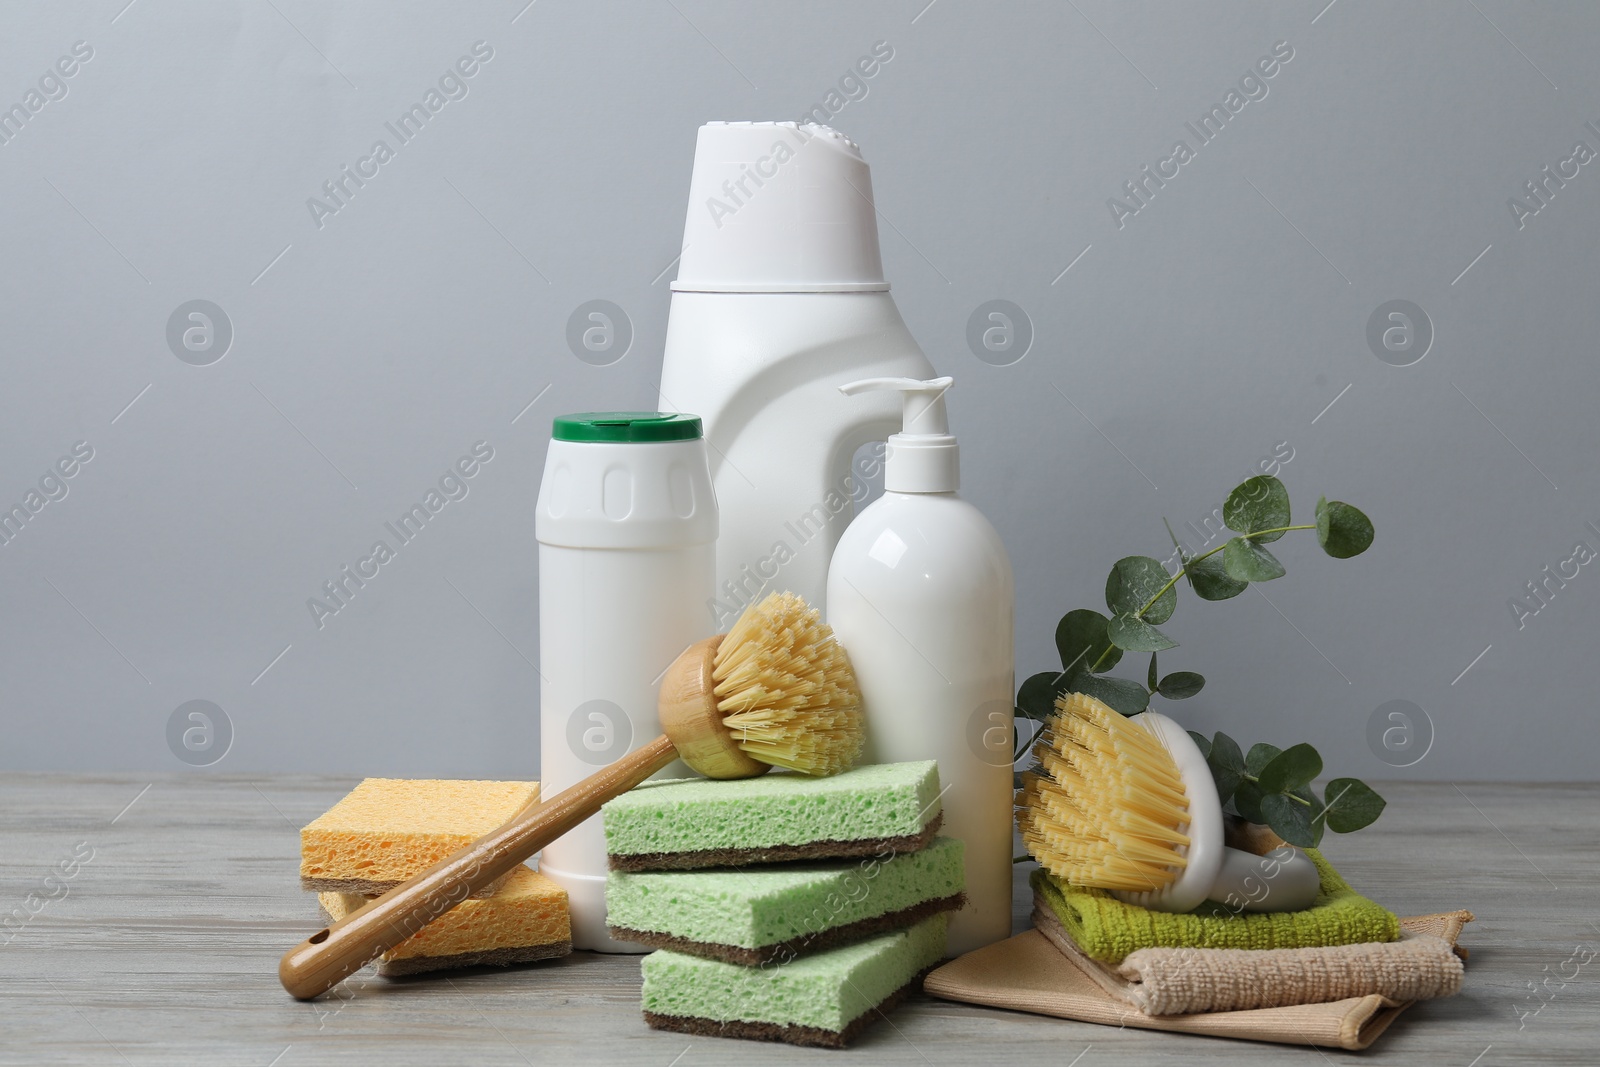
x=1185, y=981
x=1028, y=973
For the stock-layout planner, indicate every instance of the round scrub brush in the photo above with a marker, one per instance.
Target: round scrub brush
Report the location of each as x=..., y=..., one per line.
x=1128, y=805
x=776, y=690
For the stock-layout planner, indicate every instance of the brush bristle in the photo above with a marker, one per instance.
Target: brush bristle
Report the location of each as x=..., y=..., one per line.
x=786, y=691
x=1107, y=807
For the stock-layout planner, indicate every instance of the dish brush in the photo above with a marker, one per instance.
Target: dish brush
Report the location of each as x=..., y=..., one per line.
x=776, y=690
x=1128, y=805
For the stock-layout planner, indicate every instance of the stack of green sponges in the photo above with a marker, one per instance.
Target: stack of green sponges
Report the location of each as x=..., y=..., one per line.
x=785, y=908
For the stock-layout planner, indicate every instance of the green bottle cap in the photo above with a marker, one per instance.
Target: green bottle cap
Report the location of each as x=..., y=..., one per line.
x=627, y=427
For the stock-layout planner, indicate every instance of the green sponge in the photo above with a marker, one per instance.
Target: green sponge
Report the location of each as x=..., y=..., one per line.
x=754, y=917
x=824, y=999
x=690, y=823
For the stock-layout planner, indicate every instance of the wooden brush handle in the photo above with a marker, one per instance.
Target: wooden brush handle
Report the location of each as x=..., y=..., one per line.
x=331, y=955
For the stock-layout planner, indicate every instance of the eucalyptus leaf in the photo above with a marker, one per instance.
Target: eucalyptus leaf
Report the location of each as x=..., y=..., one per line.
x=1293, y=768
x=1259, y=503
x=1119, y=694
x=1134, y=582
x=1289, y=820
x=1209, y=579
x=1175, y=542
x=1202, y=742
x=1247, y=802
x=1136, y=635
x=1227, y=765
x=1150, y=682
x=1081, y=639
x=1315, y=810
x=1260, y=755
x=1342, y=531
x=1181, y=685
x=1352, y=804
x=1246, y=561
x=1036, y=697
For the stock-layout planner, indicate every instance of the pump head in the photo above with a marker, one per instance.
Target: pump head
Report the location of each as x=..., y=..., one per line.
x=923, y=457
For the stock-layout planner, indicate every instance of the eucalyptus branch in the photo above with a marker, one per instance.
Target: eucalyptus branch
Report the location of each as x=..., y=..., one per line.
x=1269, y=785
x=1204, y=555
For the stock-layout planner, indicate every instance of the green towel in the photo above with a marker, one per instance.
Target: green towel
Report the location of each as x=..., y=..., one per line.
x=1106, y=929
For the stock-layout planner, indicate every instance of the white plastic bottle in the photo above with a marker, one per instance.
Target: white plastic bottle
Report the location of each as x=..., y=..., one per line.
x=626, y=523
x=920, y=594
x=780, y=299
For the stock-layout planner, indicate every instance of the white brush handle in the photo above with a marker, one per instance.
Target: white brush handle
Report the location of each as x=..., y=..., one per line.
x=1284, y=879
x=1204, y=852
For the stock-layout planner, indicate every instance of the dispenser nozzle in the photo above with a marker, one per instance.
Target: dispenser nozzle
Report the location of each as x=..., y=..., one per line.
x=922, y=457
x=924, y=411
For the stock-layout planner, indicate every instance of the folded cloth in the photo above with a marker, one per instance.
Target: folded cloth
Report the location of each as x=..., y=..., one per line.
x=1106, y=929
x=1182, y=981
x=1028, y=973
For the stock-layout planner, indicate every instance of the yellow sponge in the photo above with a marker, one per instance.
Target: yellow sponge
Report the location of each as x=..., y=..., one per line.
x=525, y=920
x=388, y=829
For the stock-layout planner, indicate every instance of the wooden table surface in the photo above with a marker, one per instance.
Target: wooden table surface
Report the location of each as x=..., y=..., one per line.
x=162, y=947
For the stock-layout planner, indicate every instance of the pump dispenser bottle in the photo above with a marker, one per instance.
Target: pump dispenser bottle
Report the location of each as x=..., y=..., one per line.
x=780, y=299
x=920, y=592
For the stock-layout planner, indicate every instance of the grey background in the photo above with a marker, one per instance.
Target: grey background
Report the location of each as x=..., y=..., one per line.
x=370, y=354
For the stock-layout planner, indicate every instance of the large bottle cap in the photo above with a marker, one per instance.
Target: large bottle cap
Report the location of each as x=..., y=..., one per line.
x=779, y=207
x=626, y=427
x=923, y=457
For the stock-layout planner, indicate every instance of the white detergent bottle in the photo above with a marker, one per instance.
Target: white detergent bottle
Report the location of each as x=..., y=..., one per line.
x=780, y=299
x=920, y=594
x=626, y=521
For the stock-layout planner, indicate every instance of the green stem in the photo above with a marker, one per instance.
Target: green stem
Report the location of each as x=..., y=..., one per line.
x=1280, y=529
x=1195, y=559
x=1174, y=579
x=1094, y=668
x=1291, y=796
